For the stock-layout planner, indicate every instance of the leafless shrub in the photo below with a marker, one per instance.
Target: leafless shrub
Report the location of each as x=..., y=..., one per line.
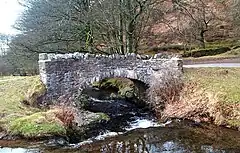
x=65, y=114
x=201, y=105
x=165, y=88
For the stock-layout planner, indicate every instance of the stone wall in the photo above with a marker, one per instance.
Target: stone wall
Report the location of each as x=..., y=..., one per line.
x=67, y=73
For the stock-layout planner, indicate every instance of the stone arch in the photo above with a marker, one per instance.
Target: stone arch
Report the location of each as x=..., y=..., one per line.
x=141, y=82
x=66, y=73
x=121, y=73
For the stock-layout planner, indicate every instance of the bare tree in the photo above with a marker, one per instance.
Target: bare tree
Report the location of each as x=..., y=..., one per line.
x=106, y=26
x=53, y=26
x=235, y=14
x=195, y=19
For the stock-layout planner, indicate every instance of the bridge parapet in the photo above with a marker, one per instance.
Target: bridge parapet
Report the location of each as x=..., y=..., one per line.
x=86, y=56
x=68, y=73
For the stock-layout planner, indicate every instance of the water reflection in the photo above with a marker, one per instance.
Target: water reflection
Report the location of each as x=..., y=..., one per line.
x=167, y=140
x=19, y=150
x=172, y=139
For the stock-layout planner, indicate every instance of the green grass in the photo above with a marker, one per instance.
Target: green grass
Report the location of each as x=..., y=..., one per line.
x=36, y=125
x=234, y=52
x=222, y=80
x=225, y=83
x=24, y=120
x=12, y=91
x=229, y=54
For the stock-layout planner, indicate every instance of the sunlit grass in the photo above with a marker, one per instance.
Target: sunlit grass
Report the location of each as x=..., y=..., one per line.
x=225, y=83
x=222, y=80
x=12, y=91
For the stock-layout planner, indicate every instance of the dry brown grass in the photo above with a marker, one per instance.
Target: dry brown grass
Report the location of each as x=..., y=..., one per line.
x=65, y=114
x=208, y=95
x=200, y=105
x=165, y=88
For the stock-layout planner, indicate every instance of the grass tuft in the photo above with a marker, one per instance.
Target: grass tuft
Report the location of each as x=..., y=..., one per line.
x=37, y=125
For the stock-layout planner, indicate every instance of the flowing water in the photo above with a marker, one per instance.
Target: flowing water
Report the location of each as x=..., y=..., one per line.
x=145, y=136
x=141, y=133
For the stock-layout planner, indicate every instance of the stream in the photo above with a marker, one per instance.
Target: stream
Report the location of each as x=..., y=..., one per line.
x=137, y=131
x=145, y=136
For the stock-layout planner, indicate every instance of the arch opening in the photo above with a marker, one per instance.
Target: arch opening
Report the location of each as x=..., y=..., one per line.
x=111, y=88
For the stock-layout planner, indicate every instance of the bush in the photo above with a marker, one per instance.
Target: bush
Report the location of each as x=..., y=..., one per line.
x=165, y=88
x=65, y=115
x=206, y=52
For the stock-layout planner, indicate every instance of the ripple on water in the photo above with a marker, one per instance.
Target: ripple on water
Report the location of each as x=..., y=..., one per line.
x=19, y=150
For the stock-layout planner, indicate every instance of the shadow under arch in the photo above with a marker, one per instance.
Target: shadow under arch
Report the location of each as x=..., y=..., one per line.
x=139, y=79
x=136, y=76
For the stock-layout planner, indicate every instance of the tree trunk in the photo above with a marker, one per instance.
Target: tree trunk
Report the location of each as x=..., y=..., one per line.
x=121, y=28
x=202, y=39
x=131, y=27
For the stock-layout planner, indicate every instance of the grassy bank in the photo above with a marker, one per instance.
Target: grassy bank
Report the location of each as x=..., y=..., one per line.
x=12, y=91
x=219, y=92
x=21, y=119
x=210, y=94
x=213, y=51
x=234, y=53
x=224, y=81
x=207, y=95
x=21, y=116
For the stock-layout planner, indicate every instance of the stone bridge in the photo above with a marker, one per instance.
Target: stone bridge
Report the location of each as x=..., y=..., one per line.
x=67, y=73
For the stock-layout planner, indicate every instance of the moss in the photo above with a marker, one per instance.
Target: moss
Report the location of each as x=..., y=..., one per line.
x=12, y=91
x=124, y=86
x=96, y=84
x=127, y=92
x=37, y=125
x=234, y=123
x=101, y=117
x=118, y=83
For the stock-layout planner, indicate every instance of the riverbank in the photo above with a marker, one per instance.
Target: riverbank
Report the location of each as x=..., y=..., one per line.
x=22, y=118
x=209, y=95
